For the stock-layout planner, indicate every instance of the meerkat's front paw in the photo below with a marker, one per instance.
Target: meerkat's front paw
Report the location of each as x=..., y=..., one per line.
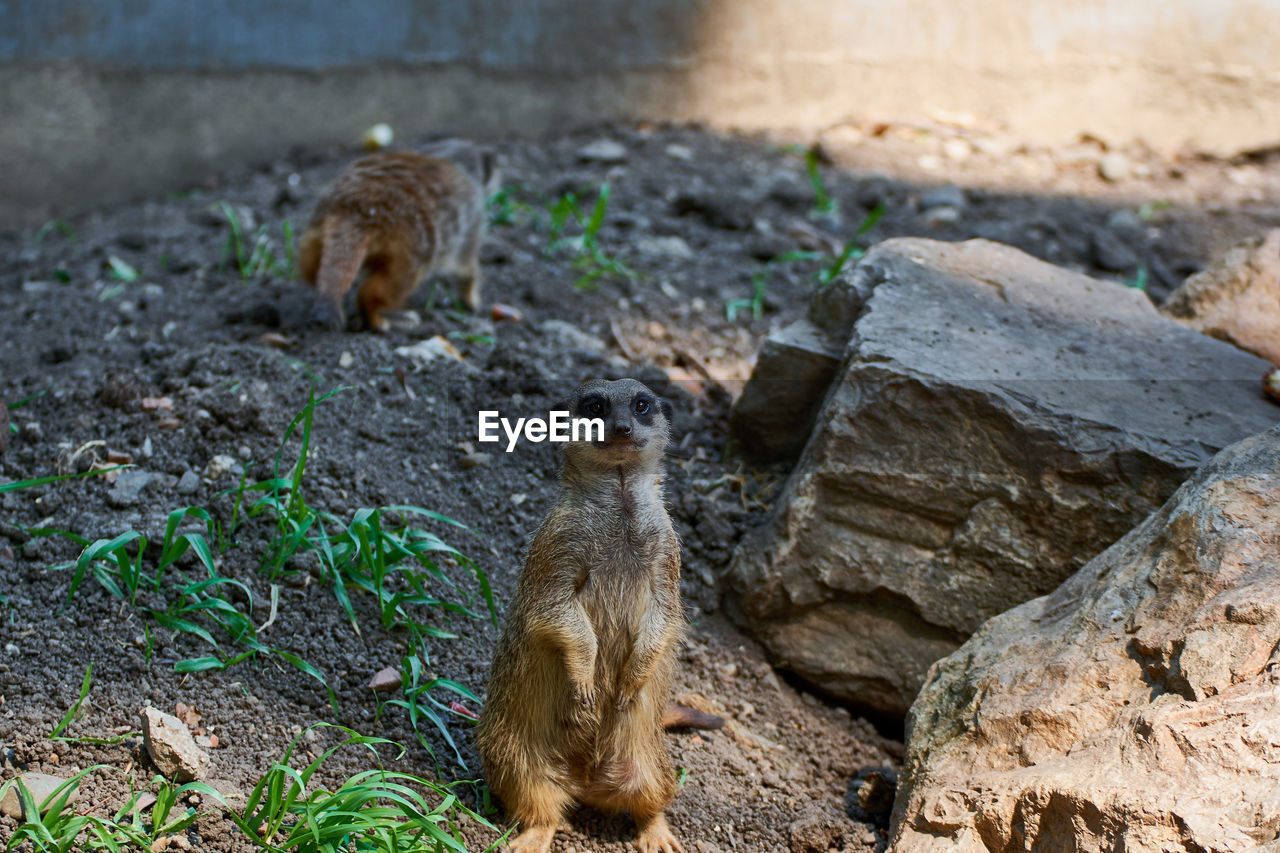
x=585, y=696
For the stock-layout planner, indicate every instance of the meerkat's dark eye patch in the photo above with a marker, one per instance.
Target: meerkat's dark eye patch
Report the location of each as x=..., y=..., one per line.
x=593, y=406
x=644, y=407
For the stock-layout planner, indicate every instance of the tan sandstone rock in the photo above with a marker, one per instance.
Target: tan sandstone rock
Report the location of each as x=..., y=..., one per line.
x=1236, y=299
x=995, y=423
x=1135, y=707
x=171, y=747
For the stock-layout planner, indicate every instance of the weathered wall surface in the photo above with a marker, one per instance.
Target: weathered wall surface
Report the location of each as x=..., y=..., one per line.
x=108, y=100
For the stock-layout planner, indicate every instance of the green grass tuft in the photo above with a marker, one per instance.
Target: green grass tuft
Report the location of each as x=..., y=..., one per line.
x=256, y=254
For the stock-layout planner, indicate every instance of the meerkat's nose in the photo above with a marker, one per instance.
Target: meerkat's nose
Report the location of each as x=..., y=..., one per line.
x=622, y=429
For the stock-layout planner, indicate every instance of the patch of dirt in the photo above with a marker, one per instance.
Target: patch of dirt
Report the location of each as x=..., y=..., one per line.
x=697, y=215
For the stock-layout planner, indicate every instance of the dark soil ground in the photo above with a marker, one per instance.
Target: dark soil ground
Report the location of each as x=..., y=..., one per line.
x=697, y=215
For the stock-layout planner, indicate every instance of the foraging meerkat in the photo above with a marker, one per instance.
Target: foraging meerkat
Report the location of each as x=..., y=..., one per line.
x=581, y=677
x=401, y=215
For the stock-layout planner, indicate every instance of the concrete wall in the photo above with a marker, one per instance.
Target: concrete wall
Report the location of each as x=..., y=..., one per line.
x=106, y=100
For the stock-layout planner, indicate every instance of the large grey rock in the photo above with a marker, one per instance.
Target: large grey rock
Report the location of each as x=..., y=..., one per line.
x=997, y=422
x=1134, y=708
x=777, y=409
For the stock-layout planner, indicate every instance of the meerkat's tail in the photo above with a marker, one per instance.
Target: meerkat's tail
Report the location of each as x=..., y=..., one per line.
x=343, y=249
x=684, y=717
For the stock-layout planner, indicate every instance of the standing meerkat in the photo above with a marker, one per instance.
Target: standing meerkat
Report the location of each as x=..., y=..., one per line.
x=401, y=216
x=579, y=684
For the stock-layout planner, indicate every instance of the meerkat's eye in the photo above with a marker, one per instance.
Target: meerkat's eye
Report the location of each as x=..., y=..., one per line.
x=594, y=407
x=642, y=406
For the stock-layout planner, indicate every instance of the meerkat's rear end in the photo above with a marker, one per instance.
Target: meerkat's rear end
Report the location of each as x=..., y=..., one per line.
x=401, y=216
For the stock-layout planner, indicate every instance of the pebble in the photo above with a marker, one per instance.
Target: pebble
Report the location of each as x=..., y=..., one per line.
x=1124, y=218
x=188, y=483
x=679, y=152
x=41, y=786
x=957, y=149
x=220, y=465
x=346, y=359
x=378, y=136
x=603, y=151
x=1114, y=166
x=385, y=680
x=1110, y=253
x=128, y=487
x=518, y=498
x=474, y=460
x=671, y=247
x=948, y=195
x=432, y=349
x=169, y=743
x=936, y=216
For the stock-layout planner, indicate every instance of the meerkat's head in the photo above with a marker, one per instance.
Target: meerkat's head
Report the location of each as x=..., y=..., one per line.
x=637, y=424
x=482, y=164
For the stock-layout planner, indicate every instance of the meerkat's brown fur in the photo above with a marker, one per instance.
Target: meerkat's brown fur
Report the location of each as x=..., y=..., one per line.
x=580, y=680
x=401, y=216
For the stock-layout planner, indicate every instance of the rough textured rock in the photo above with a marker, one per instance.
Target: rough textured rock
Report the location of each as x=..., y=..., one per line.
x=1236, y=299
x=795, y=367
x=171, y=747
x=997, y=422
x=1134, y=708
x=41, y=786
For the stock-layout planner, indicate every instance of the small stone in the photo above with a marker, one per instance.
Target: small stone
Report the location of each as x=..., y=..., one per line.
x=385, y=680
x=1114, y=167
x=35, y=287
x=171, y=747
x=671, y=247
x=679, y=152
x=936, y=216
x=1271, y=385
x=603, y=151
x=41, y=786
x=1110, y=253
x=154, y=404
x=500, y=312
x=957, y=149
x=405, y=320
x=378, y=136
x=432, y=349
x=948, y=195
x=188, y=483
x=346, y=359
x=128, y=487
x=1124, y=219
x=519, y=498
x=220, y=465
x=474, y=460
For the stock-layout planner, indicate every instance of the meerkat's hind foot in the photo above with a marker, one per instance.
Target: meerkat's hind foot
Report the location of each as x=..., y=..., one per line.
x=656, y=837
x=535, y=839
